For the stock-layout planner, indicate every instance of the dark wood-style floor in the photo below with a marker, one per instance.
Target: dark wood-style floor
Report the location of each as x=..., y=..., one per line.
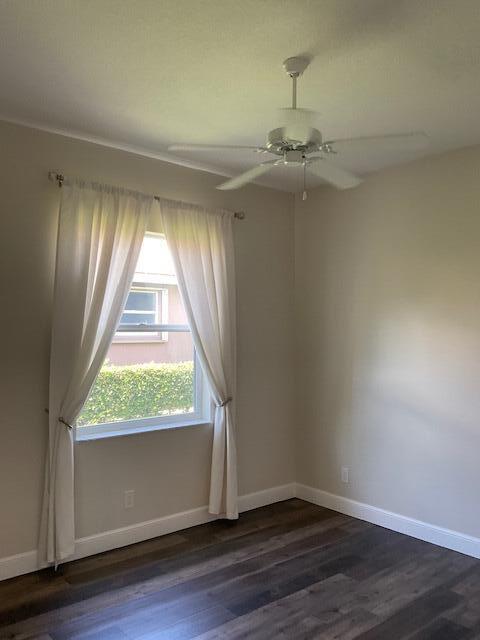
x=290, y=570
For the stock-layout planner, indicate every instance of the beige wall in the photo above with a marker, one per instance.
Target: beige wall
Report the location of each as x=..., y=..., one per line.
x=150, y=463
x=388, y=303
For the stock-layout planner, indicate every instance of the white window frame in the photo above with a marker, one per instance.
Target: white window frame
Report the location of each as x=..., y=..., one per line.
x=202, y=401
x=202, y=413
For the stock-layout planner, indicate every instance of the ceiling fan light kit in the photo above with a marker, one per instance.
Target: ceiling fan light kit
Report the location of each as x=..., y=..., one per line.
x=294, y=158
x=296, y=141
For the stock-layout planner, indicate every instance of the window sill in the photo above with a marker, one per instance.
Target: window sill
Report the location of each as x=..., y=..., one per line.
x=128, y=431
x=139, y=339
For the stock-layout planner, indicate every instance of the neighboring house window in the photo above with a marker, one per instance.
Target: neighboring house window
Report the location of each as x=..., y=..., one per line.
x=141, y=307
x=151, y=377
x=147, y=304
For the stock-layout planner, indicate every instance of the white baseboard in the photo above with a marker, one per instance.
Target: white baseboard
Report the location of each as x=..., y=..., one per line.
x=115, y=538
x=100, y=542
x=268, y=496
x=440, y=536
x=18, y=564
x=27, y=562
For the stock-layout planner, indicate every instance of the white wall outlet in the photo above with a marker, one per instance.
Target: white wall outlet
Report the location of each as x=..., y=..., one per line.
x=345, y=471
x=129, y=499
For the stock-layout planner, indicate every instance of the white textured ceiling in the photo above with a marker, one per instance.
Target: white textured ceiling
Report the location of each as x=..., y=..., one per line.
x=147, y=73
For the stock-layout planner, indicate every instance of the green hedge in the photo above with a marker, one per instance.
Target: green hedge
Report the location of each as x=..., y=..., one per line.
x=139, y=391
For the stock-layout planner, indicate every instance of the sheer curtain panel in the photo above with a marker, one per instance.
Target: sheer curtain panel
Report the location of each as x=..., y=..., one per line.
x=201, y=243
x=100, y=234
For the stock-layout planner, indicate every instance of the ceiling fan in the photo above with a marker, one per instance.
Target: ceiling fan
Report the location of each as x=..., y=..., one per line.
x=297, y=140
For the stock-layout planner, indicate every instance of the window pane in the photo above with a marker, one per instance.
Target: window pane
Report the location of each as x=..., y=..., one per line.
x=154, y=291
x=146, y=374
x=142, y=381
x=141, y=301
x=137, y=318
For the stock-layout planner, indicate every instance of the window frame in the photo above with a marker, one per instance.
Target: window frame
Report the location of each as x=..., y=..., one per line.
x=202, y=401
x=202, y=414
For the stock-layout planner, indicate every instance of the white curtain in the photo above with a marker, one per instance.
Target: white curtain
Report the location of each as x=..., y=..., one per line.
x=201, y=243
x=100, y=234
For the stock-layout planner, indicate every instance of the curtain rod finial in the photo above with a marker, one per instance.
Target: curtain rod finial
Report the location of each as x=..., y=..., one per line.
x=240, y=215
x=56, y=177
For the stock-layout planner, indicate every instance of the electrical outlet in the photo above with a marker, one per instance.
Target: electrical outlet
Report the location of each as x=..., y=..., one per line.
x=345, y=475
x=129, y=499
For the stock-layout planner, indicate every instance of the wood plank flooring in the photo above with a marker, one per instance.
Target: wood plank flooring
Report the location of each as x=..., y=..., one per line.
x=288, y=571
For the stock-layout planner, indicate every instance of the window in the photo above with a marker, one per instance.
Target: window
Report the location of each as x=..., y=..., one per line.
x=150, y=378
x=141, y=307
x=147, y=304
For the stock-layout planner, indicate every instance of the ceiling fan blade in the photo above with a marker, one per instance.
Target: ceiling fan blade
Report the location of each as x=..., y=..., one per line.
x=247, y=176
x=400, y=142
x=335, y=175
x=210, y=147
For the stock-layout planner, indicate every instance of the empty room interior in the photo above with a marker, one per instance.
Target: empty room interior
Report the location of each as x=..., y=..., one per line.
x=240, y=309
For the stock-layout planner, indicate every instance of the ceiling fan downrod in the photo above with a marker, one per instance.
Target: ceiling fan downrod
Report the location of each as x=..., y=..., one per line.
x=295, y=67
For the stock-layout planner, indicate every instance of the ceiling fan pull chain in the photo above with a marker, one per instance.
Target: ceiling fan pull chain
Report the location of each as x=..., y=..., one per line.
x=304, y=194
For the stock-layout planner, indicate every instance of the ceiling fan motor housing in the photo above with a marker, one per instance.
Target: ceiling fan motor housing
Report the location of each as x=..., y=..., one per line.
x=278, y=143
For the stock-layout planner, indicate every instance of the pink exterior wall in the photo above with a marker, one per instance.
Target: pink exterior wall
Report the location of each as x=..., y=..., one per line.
x=177, y=348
